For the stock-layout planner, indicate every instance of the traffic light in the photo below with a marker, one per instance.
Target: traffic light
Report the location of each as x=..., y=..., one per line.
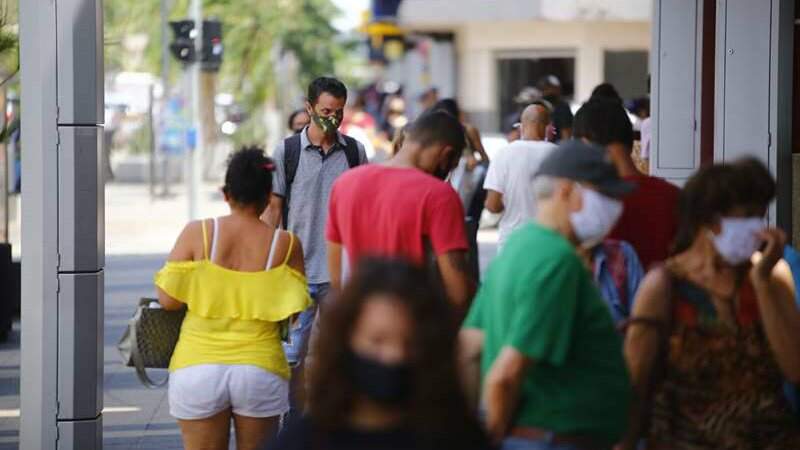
x=182, y=47
x=212, y=45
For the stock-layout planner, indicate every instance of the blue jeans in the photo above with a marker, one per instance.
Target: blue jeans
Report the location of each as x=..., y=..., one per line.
x=297, y=346
x=515, y=443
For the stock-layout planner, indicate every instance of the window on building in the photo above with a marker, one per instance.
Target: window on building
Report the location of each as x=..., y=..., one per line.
x=627, y=71
x=516, y=73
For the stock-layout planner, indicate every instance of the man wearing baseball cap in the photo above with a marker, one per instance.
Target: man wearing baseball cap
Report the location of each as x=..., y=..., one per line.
x=551, y=362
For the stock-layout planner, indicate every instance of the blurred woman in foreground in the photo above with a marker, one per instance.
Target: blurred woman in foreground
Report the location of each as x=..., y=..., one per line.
x=385, y=375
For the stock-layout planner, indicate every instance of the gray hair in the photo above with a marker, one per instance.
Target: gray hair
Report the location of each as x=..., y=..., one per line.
x=544, y=186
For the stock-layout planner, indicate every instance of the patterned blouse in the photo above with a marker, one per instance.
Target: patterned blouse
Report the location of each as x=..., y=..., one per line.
x=720, y=386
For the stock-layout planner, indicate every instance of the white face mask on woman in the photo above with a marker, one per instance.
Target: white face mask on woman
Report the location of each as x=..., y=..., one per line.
x=738, y=238
x=596, y=218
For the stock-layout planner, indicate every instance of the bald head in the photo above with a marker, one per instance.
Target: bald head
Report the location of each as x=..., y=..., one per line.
x=534, y=121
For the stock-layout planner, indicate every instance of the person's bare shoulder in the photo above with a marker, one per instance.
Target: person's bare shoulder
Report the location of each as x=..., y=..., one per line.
x=652, y=300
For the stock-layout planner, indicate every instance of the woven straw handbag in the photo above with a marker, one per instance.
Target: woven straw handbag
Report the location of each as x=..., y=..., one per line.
x=150, y=339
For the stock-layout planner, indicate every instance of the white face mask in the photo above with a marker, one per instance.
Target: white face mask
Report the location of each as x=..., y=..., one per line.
x=596, y=218
x=738, y=239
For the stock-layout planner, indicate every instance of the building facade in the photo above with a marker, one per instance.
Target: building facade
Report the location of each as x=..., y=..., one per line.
x=484, y=52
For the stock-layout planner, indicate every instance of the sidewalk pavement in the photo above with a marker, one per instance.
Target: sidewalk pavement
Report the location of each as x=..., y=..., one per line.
x=139, y=234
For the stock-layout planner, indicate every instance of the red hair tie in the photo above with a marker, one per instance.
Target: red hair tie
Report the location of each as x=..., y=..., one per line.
x=269, y=166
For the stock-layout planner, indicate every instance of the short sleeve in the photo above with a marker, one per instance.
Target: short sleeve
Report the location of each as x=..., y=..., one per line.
x=474, y=317
x=444, y=221
x=496, y=174
x=279, y=176
x=635, y=273
x=332, y=232
x=362, y=153
x=562, y=116
x=544, y=314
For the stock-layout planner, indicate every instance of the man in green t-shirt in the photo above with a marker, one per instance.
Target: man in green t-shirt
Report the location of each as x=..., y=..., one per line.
x=551, y=362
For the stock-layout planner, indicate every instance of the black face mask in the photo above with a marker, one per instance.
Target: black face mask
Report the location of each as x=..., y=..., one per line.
x=389, y=385
x=442, y=172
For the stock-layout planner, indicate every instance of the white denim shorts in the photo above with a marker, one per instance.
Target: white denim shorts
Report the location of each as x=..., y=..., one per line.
x=201, y=391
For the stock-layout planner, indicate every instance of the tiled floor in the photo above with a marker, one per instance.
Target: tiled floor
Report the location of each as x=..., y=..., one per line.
x=136, y=418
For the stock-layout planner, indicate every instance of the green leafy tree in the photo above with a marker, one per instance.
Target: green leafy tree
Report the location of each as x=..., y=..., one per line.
x=255, y=31
x=9, y=61
x=9, y=54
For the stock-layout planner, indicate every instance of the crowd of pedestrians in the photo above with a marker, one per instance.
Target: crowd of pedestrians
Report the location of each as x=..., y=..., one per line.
x=621, y=312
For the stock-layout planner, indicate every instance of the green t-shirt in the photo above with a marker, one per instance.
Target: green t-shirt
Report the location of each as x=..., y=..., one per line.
x=539, y=298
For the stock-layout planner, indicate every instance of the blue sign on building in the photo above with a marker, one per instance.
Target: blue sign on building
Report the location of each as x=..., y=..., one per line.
x=385, y=9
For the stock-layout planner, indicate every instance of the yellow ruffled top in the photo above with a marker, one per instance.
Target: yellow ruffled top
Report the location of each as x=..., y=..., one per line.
x=232, y=316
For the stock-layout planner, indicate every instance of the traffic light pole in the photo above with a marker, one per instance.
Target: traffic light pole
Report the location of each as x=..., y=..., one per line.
x=166, y=91
x=195, y=156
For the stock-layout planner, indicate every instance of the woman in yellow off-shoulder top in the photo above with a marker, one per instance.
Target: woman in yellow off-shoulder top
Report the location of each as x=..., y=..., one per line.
x=238, y=278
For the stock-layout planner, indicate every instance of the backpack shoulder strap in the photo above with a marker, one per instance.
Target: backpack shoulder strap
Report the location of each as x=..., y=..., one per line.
x=351, y=151
x=291, y=158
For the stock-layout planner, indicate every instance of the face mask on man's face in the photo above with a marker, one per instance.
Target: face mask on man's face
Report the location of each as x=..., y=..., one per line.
x=441, y=173
x=445, y=167
x=329, y=125
x=597, y=217
x=738, y=239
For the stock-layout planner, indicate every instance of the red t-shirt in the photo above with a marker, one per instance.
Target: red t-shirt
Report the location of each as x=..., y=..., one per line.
x=650, y=218
x=389, y=211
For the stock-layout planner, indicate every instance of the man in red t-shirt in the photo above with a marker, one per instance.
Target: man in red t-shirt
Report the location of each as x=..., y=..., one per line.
x=403, y=208
x=650, y=218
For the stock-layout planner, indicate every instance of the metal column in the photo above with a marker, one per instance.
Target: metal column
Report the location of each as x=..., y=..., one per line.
x=753, y=92
x=62, y=225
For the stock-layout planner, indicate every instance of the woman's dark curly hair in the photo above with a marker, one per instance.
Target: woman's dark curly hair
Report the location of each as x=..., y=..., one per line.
x=717, y=190
x=437, y=411
x=248, y=180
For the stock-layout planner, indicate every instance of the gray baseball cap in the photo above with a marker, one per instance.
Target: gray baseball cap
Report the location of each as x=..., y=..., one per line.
x=578, y=161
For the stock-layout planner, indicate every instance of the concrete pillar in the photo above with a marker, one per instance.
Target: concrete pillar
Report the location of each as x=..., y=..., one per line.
x=588, y=71
x=62, y=224
x=477, y=87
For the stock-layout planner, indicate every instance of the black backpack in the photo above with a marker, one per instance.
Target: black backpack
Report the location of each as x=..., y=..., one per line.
x=291, y=159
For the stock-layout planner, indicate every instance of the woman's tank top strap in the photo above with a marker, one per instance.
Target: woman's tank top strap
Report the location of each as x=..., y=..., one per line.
x=289, y=250
x=205, y=239
x=272, y=246
x=214, y=239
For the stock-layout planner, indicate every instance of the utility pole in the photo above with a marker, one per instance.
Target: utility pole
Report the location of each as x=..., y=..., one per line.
x=195, y=156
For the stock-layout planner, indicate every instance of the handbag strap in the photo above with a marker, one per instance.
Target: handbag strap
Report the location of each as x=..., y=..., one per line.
x=136, y=357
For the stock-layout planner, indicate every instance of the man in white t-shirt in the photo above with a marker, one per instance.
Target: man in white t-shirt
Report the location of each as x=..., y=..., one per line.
x=509, y=181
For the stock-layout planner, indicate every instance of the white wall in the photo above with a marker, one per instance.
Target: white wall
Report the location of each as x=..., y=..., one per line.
x=478, y=45
x=580, y=10
x=437, y=13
